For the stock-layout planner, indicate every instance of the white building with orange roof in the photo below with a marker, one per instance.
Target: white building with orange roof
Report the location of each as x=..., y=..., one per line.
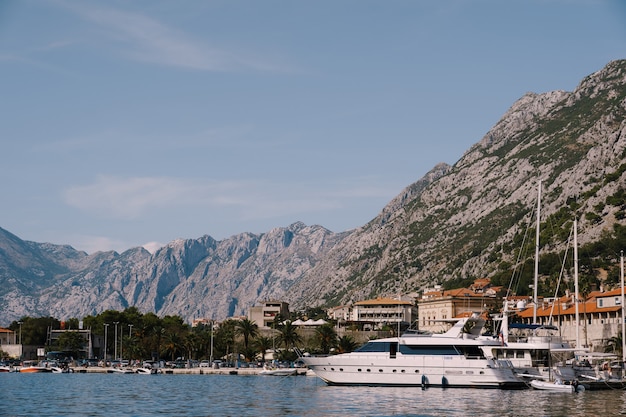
x=599, y=317
x=384, y=311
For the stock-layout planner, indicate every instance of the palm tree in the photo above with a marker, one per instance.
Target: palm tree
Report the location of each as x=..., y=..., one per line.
x=614, y=345
x=225, y=338
x=192, y=344
x=346, y=344
x=172, y=344
x=327, y=336
x=288, y=335
x=248, y=329
x=263, y=344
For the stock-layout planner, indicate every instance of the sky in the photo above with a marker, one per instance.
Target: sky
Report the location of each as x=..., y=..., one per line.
x=134, y=123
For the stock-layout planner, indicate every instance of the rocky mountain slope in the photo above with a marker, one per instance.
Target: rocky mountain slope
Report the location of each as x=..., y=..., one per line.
x=459, y=221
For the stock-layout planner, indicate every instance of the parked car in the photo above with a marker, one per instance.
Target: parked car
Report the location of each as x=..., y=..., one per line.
x=205, y=364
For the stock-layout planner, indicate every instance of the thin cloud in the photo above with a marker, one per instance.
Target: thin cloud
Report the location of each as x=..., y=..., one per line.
x=147, y=40
x=152, y=247
x=92, y=244
x=130, y=198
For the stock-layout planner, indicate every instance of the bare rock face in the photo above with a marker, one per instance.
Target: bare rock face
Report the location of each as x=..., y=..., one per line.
x=457, y=221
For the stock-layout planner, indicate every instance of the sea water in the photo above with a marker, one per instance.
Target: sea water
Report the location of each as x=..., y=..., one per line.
x=238, y=395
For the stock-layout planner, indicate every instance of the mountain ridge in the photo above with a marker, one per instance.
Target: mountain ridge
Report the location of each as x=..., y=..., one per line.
x=460, y=220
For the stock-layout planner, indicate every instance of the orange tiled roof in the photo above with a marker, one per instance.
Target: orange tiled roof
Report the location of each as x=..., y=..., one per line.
x=588, y=307
x=382, y=301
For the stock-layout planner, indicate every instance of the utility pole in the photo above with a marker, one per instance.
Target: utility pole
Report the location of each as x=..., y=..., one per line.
x=115, y=342
x=106, y=330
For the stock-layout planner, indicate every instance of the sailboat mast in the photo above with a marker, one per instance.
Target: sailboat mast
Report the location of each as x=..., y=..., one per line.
x=621, y=264
x=576, y=292
x=535, y=300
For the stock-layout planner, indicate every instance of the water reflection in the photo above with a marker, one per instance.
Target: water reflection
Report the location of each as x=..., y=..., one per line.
x=213, y=395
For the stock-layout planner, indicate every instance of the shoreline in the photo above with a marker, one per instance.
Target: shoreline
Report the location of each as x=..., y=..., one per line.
x=187, y=371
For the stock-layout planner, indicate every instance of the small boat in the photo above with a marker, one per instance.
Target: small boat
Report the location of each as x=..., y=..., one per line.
x=5, y=368
x=31, y=367
x=120, y=371
x=556, y=386
x=146, y=371
x=274, y=371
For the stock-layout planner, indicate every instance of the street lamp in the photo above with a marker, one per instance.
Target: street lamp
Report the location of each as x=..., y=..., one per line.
x=21, y=347
x=211, y=357
x=106, y=330
x=115, y=343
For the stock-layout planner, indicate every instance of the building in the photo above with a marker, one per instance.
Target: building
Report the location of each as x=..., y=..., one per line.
x=379, y=312
x=265, y=313
x=9, y=343
x=437, y=307
x=599, y=317
x=341, y=314
x=7, y=337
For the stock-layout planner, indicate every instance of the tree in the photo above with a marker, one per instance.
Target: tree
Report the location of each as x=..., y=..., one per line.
x=327, y=337
x=71, y=341
x=248, y=329
x=224, y=338
x=346, y=344
x=263, y=344
x=35, y=330
x=289, y=335
x=172, y=344
x=614, y=345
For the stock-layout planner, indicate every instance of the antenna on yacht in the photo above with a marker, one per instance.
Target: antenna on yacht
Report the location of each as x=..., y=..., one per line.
x=399, y=308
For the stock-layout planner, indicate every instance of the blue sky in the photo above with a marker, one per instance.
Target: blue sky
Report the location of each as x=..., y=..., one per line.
x=129, y=123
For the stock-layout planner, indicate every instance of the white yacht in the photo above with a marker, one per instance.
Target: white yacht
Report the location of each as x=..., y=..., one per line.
x=451, y=359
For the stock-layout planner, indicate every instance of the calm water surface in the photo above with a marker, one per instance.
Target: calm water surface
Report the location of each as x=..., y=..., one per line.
x=228, y=395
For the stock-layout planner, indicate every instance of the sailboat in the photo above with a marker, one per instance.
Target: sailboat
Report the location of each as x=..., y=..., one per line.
x=530, y=349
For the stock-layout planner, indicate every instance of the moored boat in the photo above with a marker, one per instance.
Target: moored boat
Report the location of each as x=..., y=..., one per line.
x=146, y=371
x=451, y=359
x=120, y=371
x=556, y=386
x=275, y=371
x=5, y=368
x=31, y=367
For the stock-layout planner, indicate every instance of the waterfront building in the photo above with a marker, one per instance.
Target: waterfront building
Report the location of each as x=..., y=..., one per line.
x=266, y=312
x=376, y=313
x=438, y=307
x=599, y=317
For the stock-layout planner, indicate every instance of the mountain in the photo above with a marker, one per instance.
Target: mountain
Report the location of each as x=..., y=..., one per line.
x=467, y=220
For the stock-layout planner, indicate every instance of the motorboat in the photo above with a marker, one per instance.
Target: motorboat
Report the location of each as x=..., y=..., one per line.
x=276, y=371
x=146, y=371
x=4, y=368
x=31, y=367
x=116, y=370
x=451, y=359
x=556, y=386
